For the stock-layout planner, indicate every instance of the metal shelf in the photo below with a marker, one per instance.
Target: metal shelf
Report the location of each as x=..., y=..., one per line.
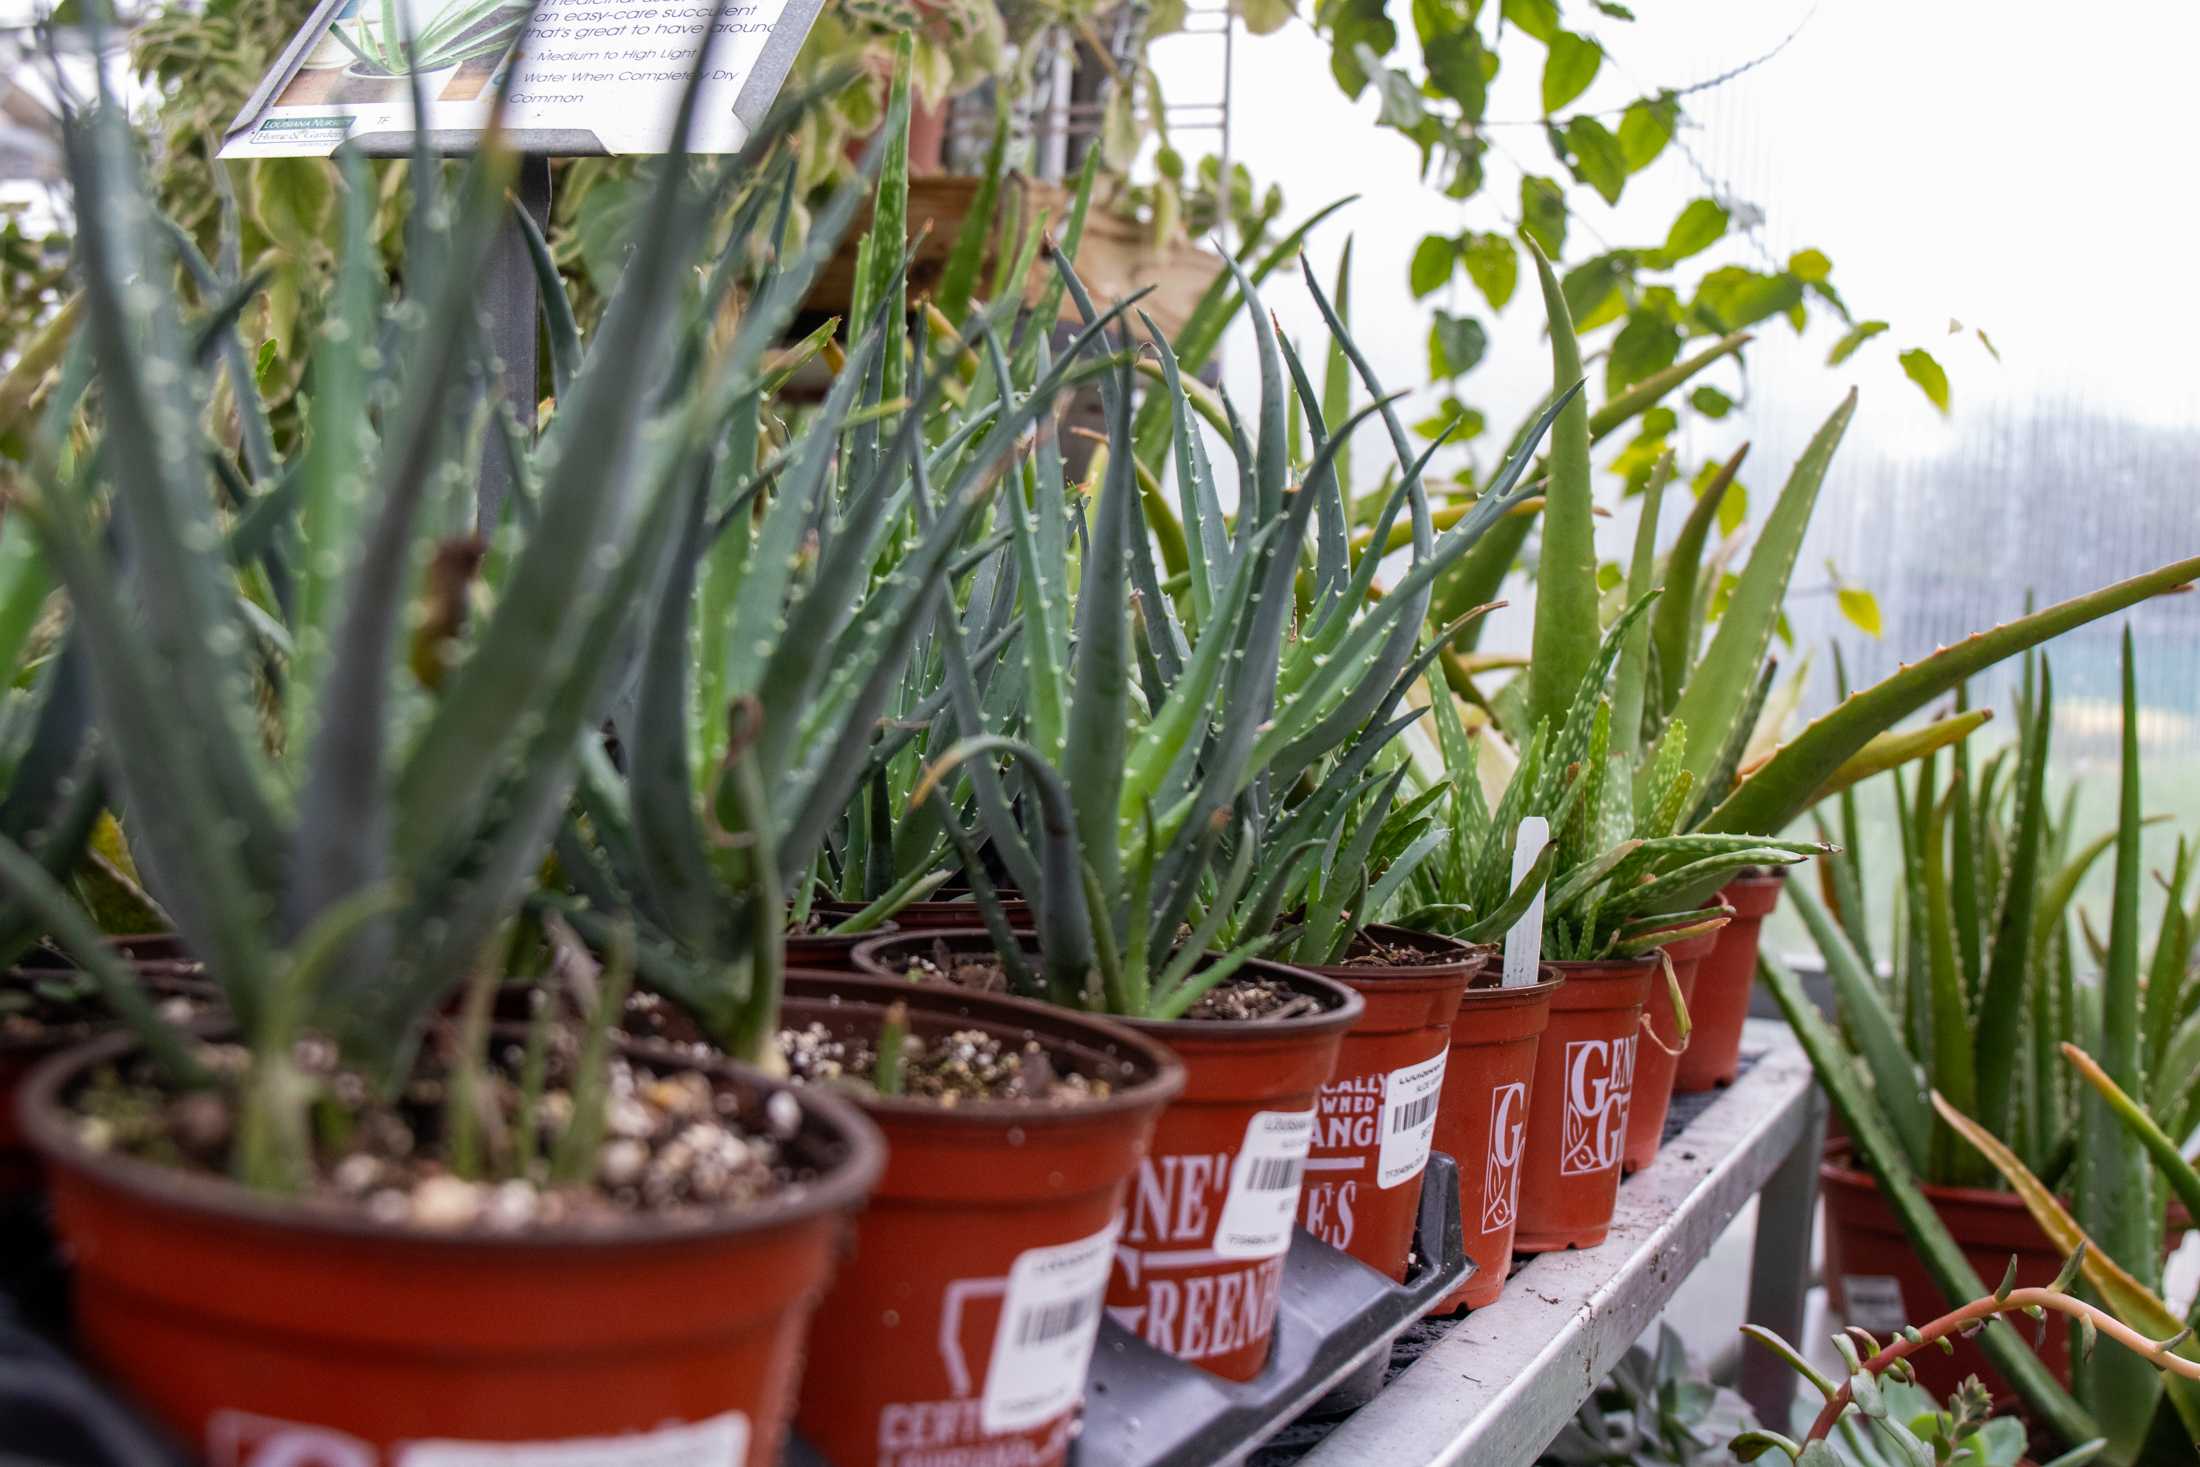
x=1498, y=1384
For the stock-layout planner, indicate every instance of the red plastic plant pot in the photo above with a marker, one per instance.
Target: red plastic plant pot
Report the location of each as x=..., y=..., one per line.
x=1723, y=985
x=1656, y=1063
x=1577, y=1121
x=1875, y=1278
x=950, y=916
x=1199, y=1266
x=827, y=952
x=1482, y=1121
x=263, y=1330
x=1375, y=1121
x=168, y=972
x=1199, y=1260
x=962, y=1321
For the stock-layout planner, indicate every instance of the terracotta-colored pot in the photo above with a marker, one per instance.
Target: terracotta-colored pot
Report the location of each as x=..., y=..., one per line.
x=963, y=1319
x=1375, y=1122
x=1656, y=1063
x=261, y=1330
x=1723, y=983
x=1875, y=1278
x=1199, y=1263
x=1482, y=1122
x=948, y=916
x=1199, y=1271
x=158, y=957
x=827, y=952
x=1577, y=1118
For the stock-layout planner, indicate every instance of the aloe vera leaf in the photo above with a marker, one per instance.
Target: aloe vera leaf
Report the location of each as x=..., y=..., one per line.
x=1332, y=552
x=1336, y=400
x=1886, y=751
x=959, y=278
x=1210, y=551
x=1566, y=632
x=1476, y=577
x=164, y=515
x=1673, y=630
x=2003, y=991
x=2114, y=1192
x=1716, y=688
x=1774, y=793
x=1963, y=872
x=1943, y=1259
x=218, y=331
x=1625, y=407
x=1329, y=912
x=2168, y=1159
x=2125, y=1294
x=668, y=830
x=1045, y=603
x=48, y=347
x=1955, y=1071
x=2172, y=955
x=1631, y=690
x=1492, y=925
x=889, y=232
x=559, y=327
x=1097, y=740
x=1048, y=308
x=1896, y=1084
x=994, y=810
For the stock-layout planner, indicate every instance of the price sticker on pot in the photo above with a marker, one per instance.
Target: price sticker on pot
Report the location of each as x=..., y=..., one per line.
x=1524, y=943
x=1264, y=1185
x=1409, y=1120
x=1049, y=1321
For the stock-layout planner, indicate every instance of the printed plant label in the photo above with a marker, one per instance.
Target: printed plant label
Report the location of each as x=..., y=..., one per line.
x=1264, y=1185
x=1501, y=1170
x=243, y=1439
x=1049, y=1321
x=1600, y=1080
x=1409, y=1120
x=721, y=1441
x=1875, y=1302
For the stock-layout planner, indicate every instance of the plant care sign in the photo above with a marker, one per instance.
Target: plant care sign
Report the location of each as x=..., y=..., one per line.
x=575, y=76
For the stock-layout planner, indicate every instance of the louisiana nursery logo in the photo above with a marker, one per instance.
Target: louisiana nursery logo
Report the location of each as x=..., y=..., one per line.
x=1501, y=1168
x=1600, y=1079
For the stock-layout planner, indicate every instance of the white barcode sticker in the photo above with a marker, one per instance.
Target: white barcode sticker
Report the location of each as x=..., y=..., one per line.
x=1049, y=1321
x=1524, y=940
x=721, y=1441
x=1264, y=1185
x=1410, y=1096
x=1875, y=1302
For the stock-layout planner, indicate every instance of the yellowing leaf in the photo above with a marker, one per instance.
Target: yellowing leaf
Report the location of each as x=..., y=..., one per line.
x=1918, y=365
x=1861, y=607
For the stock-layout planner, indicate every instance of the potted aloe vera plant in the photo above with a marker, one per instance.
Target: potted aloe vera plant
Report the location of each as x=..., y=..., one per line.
x=266, y=1219
x=972, y=1292
x=1984, y=987
x=394, y=41
x=1135, y=837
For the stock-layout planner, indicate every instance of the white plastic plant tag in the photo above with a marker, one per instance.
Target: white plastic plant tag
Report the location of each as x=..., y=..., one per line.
x=721, y=1441
x=1409, y=1120
x=1049, y=1322
x=1524, y=943
x=1264, y=1185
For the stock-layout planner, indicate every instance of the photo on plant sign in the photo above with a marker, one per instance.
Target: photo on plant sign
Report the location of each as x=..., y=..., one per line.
x=575, y=76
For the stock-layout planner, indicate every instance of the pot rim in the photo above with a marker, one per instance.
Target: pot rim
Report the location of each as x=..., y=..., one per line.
x=1834, y=1164
x=1344, y=1011
x=1463, y=963
x=1549, y=981
x=842, y=1188
x=1162, y=1084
